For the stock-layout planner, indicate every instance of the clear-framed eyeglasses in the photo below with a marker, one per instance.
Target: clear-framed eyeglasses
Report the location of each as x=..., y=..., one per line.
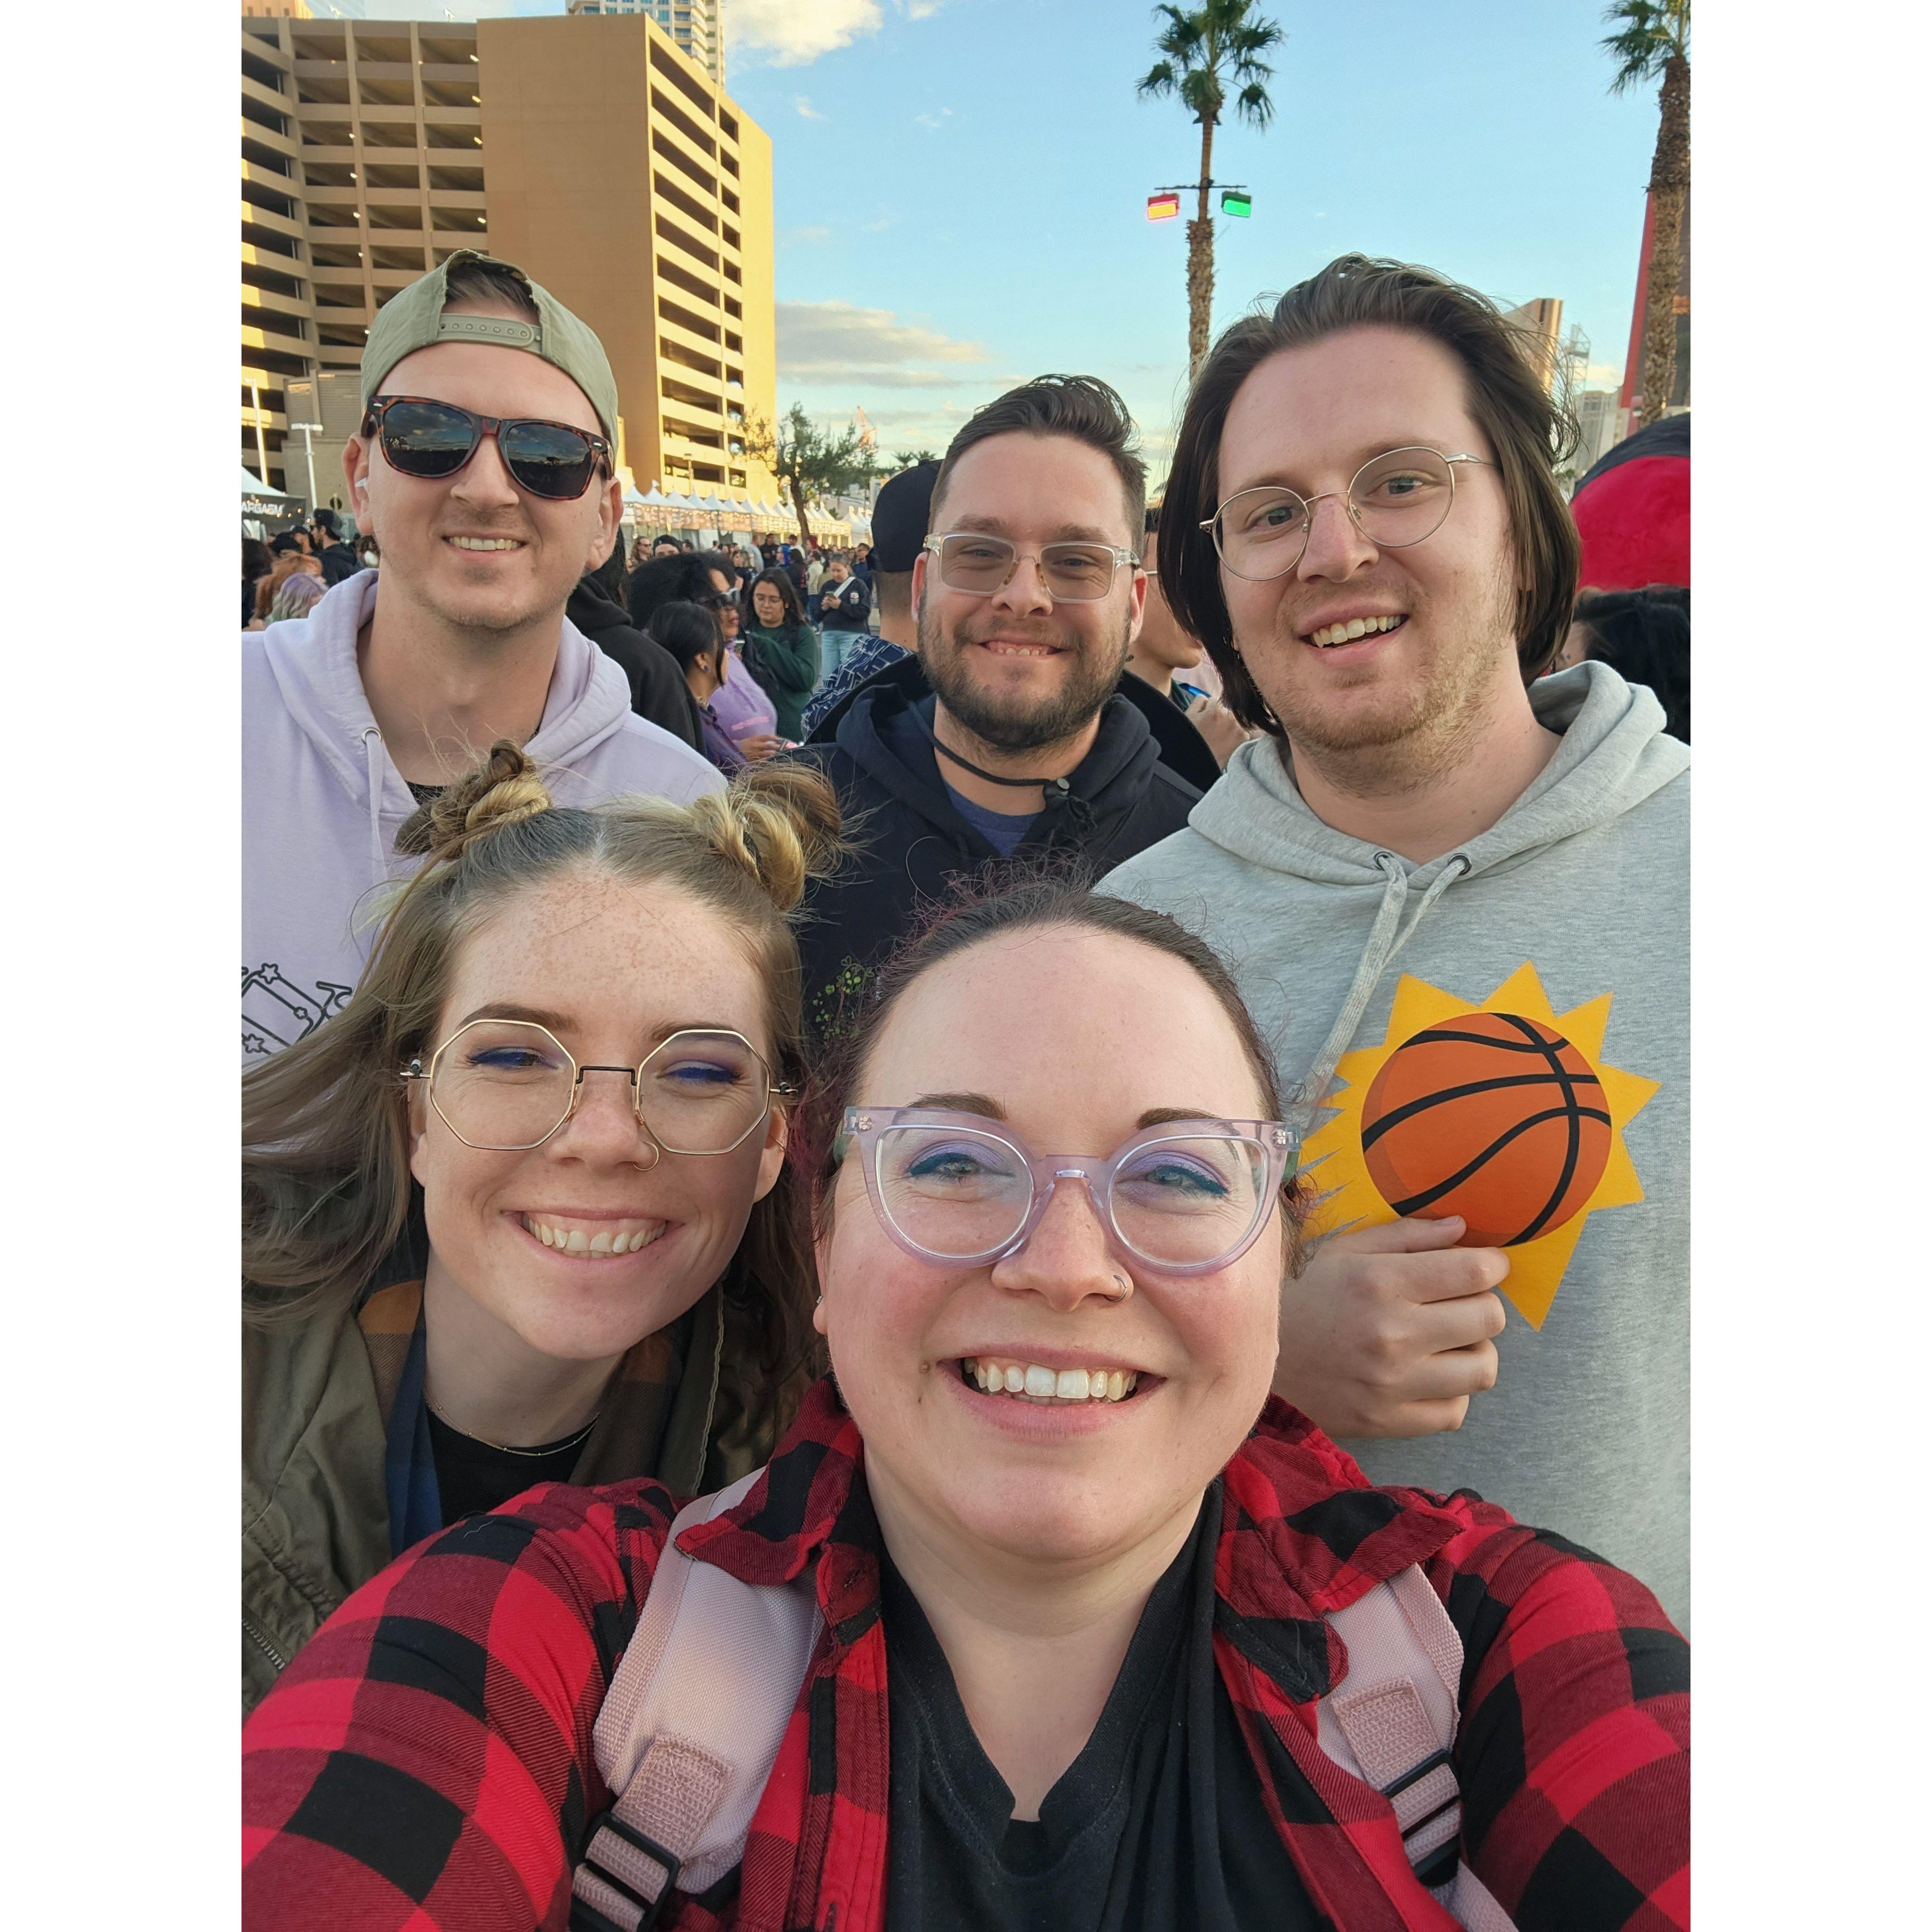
x=1395, y=499
x=1071, y=573
x=1184, y=1197
x=507, y=1086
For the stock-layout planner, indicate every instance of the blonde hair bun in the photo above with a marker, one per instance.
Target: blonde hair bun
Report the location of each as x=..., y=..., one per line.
x=780, y=822
x=503, y=790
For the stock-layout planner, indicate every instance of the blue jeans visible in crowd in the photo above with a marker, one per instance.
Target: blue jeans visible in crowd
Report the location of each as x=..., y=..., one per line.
x=834, y=647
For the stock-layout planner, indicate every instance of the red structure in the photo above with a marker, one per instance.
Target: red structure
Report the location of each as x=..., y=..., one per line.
x=1630, y=396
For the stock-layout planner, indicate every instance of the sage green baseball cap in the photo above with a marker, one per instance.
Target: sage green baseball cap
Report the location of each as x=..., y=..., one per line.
x=413, y=318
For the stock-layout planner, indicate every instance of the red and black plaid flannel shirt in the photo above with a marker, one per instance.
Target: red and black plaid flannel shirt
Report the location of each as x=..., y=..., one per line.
x=425, y=1764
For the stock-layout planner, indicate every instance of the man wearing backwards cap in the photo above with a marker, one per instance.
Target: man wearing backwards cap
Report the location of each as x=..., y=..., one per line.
x=899, y=529
x=485, y=468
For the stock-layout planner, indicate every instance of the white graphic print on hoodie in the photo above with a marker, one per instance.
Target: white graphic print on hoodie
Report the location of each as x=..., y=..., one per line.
x=1571, y=915
x=321, y=802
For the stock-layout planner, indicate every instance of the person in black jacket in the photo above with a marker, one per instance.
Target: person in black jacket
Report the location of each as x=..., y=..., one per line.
x=844, y=601
x=658, y=689
x=337, y=558
x=257, y=561
x=1007, y=739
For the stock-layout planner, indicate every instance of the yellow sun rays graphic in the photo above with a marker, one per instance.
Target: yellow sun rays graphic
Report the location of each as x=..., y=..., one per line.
x=1332, y=1156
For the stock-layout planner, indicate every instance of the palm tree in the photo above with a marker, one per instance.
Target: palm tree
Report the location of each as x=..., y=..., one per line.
x=1206, y=50
x=1653, y=40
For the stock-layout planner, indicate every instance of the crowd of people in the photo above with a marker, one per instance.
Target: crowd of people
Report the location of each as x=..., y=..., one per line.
x=1025, y=1268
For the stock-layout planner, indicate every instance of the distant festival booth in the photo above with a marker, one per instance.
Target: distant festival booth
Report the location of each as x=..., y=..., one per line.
x=706, y=520
x=263, y=508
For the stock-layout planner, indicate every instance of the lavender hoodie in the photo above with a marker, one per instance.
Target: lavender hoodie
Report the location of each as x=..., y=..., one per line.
x=321, y=802
x=742, y=708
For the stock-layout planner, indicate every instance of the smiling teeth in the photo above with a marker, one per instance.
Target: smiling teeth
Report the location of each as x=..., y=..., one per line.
x=1356, y=627
x=1032, y=1383
x=576, y=1241
x=486, y=543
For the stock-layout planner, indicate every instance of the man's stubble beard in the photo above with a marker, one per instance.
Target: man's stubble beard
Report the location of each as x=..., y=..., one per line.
x=1017, y=728
x=483, y=627
x=1427, y=727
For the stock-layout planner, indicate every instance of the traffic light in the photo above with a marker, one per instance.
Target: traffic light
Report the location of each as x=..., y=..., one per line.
x=1163, y=207
x=1237, y=201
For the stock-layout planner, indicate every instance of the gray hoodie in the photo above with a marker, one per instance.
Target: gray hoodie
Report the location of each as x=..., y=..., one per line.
x=321, y=802
x=1572, y=912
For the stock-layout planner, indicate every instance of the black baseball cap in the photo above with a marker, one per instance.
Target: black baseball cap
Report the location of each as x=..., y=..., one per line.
x=899, y=517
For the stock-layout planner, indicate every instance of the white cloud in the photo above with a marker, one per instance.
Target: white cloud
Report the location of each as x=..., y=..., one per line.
x=918, y=384
x=926, y=426
x=803, y=102
x=938, y=120
x=923, y=10
x=804, y=238
x=791, y=33
x=872, y=378
x=828, y=341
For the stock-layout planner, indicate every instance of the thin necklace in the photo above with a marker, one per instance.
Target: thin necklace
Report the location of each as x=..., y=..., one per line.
x=1055, y=789
x=510, y=1448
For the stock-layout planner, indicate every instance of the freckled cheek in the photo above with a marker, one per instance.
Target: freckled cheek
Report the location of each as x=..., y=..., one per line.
x=1229, y=1337
x=465, y=1195
x=879, y=1307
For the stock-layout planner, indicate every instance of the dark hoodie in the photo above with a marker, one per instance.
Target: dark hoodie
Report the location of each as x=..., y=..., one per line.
x=657, y=689
x=912, y=842
x=339, y=562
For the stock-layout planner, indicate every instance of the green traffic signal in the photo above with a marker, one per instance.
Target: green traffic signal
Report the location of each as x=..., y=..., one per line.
x=1234, y=202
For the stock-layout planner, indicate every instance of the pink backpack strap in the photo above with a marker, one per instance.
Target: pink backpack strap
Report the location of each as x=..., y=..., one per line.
x=1391, y=1721
x=689, y=1730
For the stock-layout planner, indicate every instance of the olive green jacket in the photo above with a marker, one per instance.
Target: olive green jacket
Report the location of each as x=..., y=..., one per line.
x=315, y=1399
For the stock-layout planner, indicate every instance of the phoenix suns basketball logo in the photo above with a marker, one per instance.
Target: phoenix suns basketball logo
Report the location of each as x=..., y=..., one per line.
x=1505, y=1113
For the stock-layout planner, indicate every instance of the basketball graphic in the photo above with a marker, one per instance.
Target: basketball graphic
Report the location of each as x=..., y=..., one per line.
x=1398, y=1140
x=1493, y=1116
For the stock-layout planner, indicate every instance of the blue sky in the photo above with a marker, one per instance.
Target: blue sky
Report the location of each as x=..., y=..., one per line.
x=961, y=184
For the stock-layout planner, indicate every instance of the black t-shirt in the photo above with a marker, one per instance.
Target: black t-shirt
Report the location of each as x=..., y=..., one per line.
x=425, y=794
x=1158, y=1823
x=472, y=1477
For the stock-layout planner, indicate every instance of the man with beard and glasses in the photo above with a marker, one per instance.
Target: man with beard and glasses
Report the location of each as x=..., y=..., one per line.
x=483, y=466
x=1005, y=737
x=1456, y=895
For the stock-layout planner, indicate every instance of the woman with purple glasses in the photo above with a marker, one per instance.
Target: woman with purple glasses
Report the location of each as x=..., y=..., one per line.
x=1062, y=1620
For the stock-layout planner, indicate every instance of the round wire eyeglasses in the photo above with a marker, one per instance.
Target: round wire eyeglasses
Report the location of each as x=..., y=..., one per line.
x=1395, y=499
x=506, y=1086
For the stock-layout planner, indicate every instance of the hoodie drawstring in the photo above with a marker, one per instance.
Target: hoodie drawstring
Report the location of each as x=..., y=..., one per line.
x=1383, y=945
x=1073, y=817
x=372, y=743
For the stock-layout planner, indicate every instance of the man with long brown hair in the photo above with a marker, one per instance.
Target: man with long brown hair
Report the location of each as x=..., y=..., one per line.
x=1363, y=525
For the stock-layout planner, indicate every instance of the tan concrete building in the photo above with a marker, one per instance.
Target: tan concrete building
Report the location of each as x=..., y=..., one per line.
x=1539, y=324
x=589, y=151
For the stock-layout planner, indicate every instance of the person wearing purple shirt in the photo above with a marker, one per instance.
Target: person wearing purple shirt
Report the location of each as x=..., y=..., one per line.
x=691, y=634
